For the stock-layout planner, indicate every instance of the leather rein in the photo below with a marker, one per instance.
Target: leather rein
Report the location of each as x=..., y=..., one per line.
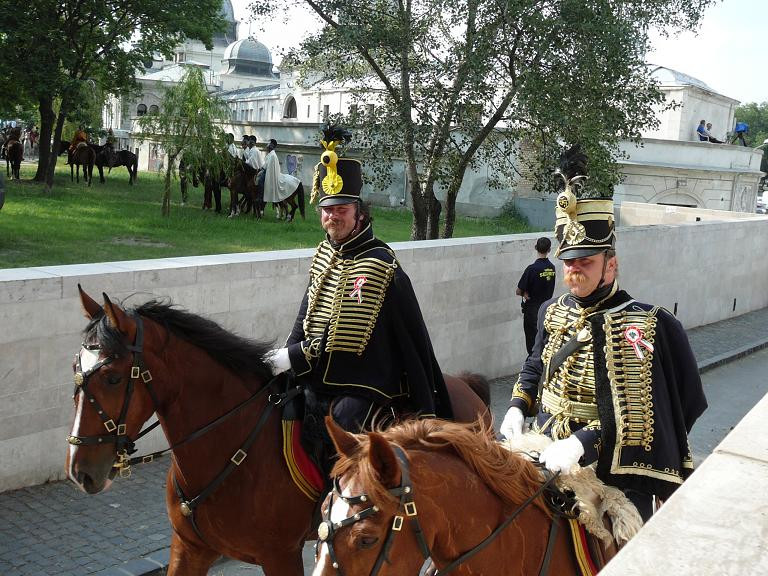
x=327, y=529
x=125, y=445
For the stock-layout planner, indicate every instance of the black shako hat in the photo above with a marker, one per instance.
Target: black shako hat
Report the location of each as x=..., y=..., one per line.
x=584, y=224
x=336, y=180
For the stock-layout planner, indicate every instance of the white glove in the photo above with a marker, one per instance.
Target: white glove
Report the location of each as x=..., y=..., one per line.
x=562, y=455
x=513, y=422
x=278, y=360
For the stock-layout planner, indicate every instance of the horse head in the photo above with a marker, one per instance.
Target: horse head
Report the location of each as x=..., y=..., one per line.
x=400, y=504
x=372, y=502
x=111, y=396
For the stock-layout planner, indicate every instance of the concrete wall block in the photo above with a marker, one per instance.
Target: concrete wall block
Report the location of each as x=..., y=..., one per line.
x=213, y=273
x=30, y=401
x=31, y=320
x=280, y=267
x=28, y=460
x=23, y=424
x=19, y=368
x=30, y=290
x=214, y=298
x=165, y=278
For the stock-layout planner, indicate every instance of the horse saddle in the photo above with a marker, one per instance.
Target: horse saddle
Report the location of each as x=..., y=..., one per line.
x=303, y=448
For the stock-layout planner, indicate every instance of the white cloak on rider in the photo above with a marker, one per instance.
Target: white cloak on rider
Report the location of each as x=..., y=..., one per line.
x=277, y=186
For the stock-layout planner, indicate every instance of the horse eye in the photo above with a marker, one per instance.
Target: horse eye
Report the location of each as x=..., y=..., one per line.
x=366, y=542
x=114, y=379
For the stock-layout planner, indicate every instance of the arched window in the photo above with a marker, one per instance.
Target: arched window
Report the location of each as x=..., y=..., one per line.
x=141, y=110
x=154, y=109
x=290, y=110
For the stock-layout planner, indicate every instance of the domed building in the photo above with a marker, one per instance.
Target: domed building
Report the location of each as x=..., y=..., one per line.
x=246, y=58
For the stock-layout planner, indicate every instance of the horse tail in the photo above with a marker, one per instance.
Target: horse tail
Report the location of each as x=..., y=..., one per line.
x=300, y=192
x=479, y=385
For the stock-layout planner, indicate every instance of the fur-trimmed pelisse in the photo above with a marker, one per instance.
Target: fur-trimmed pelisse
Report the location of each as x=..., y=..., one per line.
x=594, y=497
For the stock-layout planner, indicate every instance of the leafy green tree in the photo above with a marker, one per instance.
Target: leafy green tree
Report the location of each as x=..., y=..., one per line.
x=61, y=53
x=756, y=115
x=188, y=124
x=457, y=82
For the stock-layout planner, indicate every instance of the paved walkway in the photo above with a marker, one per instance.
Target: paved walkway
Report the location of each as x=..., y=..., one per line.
x=56, y=530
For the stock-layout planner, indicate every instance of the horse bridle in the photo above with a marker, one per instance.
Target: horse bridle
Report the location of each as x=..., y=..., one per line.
x=116, y=431
x=125, y=446
x=327, y=529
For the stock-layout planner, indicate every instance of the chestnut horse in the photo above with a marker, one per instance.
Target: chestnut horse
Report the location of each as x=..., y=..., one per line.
x=434, y=491
x=229, y=491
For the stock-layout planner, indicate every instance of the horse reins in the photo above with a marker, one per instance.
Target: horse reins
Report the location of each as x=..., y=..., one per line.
x=125, y=446
x=327, y=529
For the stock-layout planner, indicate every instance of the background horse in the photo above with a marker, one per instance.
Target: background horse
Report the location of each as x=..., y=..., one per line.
x=86, y=156
x=197, y=377
x=462, y=486
x=120, y=158
x=14, y=154
x=286, y=208
x=245, y=194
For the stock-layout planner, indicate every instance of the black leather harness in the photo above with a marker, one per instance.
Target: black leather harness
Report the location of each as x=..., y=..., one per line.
x=407, y=509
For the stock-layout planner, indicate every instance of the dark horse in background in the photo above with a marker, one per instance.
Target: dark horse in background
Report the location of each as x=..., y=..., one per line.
x=111, y=159
x=82, y=155
x=220, y=410
x=246, y=190
x=14, y=154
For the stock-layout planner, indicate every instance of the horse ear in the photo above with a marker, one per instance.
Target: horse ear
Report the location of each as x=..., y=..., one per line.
x=345, y=442
x=118, y=319
x=91, y=308
x=383, y=459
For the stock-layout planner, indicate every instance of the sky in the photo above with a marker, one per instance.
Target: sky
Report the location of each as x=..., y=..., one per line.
x=724, y=53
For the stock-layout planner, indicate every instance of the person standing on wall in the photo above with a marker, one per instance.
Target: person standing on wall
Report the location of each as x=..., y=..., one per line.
x=536, y=286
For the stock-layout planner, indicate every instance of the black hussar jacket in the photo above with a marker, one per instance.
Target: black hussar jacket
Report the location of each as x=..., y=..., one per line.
x=630, y=394
x=359, y=330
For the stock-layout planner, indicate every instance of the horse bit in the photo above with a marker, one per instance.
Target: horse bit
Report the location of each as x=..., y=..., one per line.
x=327, y=530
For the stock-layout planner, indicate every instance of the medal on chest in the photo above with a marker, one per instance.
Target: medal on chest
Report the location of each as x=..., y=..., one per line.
x=636, y=338
x=357, y=290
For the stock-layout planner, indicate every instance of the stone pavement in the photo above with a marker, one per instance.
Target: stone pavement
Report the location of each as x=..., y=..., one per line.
x=55, y=530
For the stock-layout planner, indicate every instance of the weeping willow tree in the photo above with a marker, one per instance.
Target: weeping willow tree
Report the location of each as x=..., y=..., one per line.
x=188, y=124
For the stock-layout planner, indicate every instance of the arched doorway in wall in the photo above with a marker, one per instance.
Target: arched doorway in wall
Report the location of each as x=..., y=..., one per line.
x=675, y=197
x=290, y=110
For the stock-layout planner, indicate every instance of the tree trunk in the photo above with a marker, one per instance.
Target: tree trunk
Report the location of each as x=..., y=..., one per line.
x=47, y=117
x=419, y=225
x=450, y=215
x=450, y=199
x=53, y=158
x=166, y=211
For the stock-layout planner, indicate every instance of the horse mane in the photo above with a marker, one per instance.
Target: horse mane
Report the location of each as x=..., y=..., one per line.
x=239, y=354
x=508, y=475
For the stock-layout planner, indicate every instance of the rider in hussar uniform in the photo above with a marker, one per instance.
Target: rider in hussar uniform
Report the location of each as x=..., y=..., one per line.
x=611, y=380
x=359, y=343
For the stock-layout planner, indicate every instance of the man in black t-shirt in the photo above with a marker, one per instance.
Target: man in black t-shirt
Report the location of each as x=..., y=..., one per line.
x=536, y=287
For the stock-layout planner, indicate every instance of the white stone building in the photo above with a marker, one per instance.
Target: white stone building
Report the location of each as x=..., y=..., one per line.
x=671, y=167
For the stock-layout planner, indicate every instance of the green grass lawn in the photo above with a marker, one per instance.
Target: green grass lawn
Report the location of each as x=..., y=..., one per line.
x=116, y=221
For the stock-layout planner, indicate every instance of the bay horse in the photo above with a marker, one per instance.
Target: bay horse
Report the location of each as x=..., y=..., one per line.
x=229, y=491
x=245, y=193
x=120, y=158
x=434, y=491
x=84, y=156
x=14, y=154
